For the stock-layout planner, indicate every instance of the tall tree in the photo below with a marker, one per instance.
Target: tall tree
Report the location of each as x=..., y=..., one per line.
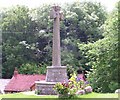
x=44, y=34
x=18, y=38
x=102, y=55
x=27, y=35
x=82, y=24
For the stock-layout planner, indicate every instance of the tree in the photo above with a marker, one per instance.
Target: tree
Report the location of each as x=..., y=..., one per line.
x=102, y=55
x=30, y=34
x=83, y=21
x=44, y=34
x=32, y=68
x=82, y=24
x=18, y=38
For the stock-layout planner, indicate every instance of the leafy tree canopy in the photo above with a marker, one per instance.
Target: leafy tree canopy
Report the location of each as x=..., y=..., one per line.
x=102, y=55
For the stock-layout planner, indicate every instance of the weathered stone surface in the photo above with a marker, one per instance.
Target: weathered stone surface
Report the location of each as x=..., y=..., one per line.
x=56, y=54
x=45, y=88
x=56, y=74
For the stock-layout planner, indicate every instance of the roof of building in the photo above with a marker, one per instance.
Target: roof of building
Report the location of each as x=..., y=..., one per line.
x=21, y=82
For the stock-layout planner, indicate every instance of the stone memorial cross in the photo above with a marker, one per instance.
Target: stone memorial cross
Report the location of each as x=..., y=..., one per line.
x=56, y=54
x=56, y=72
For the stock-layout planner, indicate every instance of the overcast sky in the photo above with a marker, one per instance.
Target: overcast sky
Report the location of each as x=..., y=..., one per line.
x=109, y=4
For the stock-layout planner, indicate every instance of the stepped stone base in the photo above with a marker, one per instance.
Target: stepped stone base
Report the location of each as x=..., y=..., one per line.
x=54, y=74
x=45, y=88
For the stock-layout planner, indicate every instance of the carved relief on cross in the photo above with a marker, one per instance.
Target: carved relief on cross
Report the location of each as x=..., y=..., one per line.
x=55, y=12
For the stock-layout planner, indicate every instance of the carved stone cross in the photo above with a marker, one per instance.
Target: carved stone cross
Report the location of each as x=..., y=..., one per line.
x=56, y=72
x=56, y=53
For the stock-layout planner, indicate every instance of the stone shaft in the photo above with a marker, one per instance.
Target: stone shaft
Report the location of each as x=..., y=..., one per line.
x=56, y=55
x=56, y=72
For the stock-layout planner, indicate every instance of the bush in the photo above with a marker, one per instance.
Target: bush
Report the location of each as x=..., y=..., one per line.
x=75, y=86
x=32, y=68
x=113, y=86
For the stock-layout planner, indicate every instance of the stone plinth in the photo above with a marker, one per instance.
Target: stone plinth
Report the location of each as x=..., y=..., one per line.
x=56, y=74
x=45, y=88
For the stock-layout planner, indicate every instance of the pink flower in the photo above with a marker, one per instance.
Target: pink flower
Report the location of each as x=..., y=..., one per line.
x=88, y=89
x=82, y=87
x=80, y=92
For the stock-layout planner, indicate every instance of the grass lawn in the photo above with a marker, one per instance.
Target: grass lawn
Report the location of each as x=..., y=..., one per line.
x=21, y=95
x=92, y=95
x=100, y=95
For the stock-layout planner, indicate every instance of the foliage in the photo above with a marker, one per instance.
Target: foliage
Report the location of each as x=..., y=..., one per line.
x=82, y=24
x=31, y=68
x=70, y=89
x=71, y=30
x=17, y=27
x=83, y=20
x=37, y=92
x=70, y=71
x=27, y=34
x=62, y=88
x=44, y=34
x=102, y=55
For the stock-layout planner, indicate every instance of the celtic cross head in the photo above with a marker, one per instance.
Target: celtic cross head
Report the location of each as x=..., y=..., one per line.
x=55, y=13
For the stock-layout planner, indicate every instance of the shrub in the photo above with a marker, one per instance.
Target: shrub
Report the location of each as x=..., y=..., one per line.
x=62, y=88
x=75, y=86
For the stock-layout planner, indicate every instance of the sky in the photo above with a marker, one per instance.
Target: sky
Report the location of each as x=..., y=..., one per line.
x=109, y=4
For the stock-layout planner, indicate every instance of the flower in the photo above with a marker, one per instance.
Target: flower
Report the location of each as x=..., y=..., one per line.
x=62, y=88
x=79, y=92
x=86, y=82
x=88, y=89
x=78, y=79
x=73, y=87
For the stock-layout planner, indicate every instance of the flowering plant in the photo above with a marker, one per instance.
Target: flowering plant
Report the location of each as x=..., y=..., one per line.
x=73, y=87
x=62, y=88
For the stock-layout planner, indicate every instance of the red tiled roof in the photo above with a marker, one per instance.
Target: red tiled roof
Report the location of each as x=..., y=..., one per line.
x=22, y=82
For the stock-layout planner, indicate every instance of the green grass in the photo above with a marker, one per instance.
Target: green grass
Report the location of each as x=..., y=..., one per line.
x=100, y=95
x=91, y=95
x=21, y=95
